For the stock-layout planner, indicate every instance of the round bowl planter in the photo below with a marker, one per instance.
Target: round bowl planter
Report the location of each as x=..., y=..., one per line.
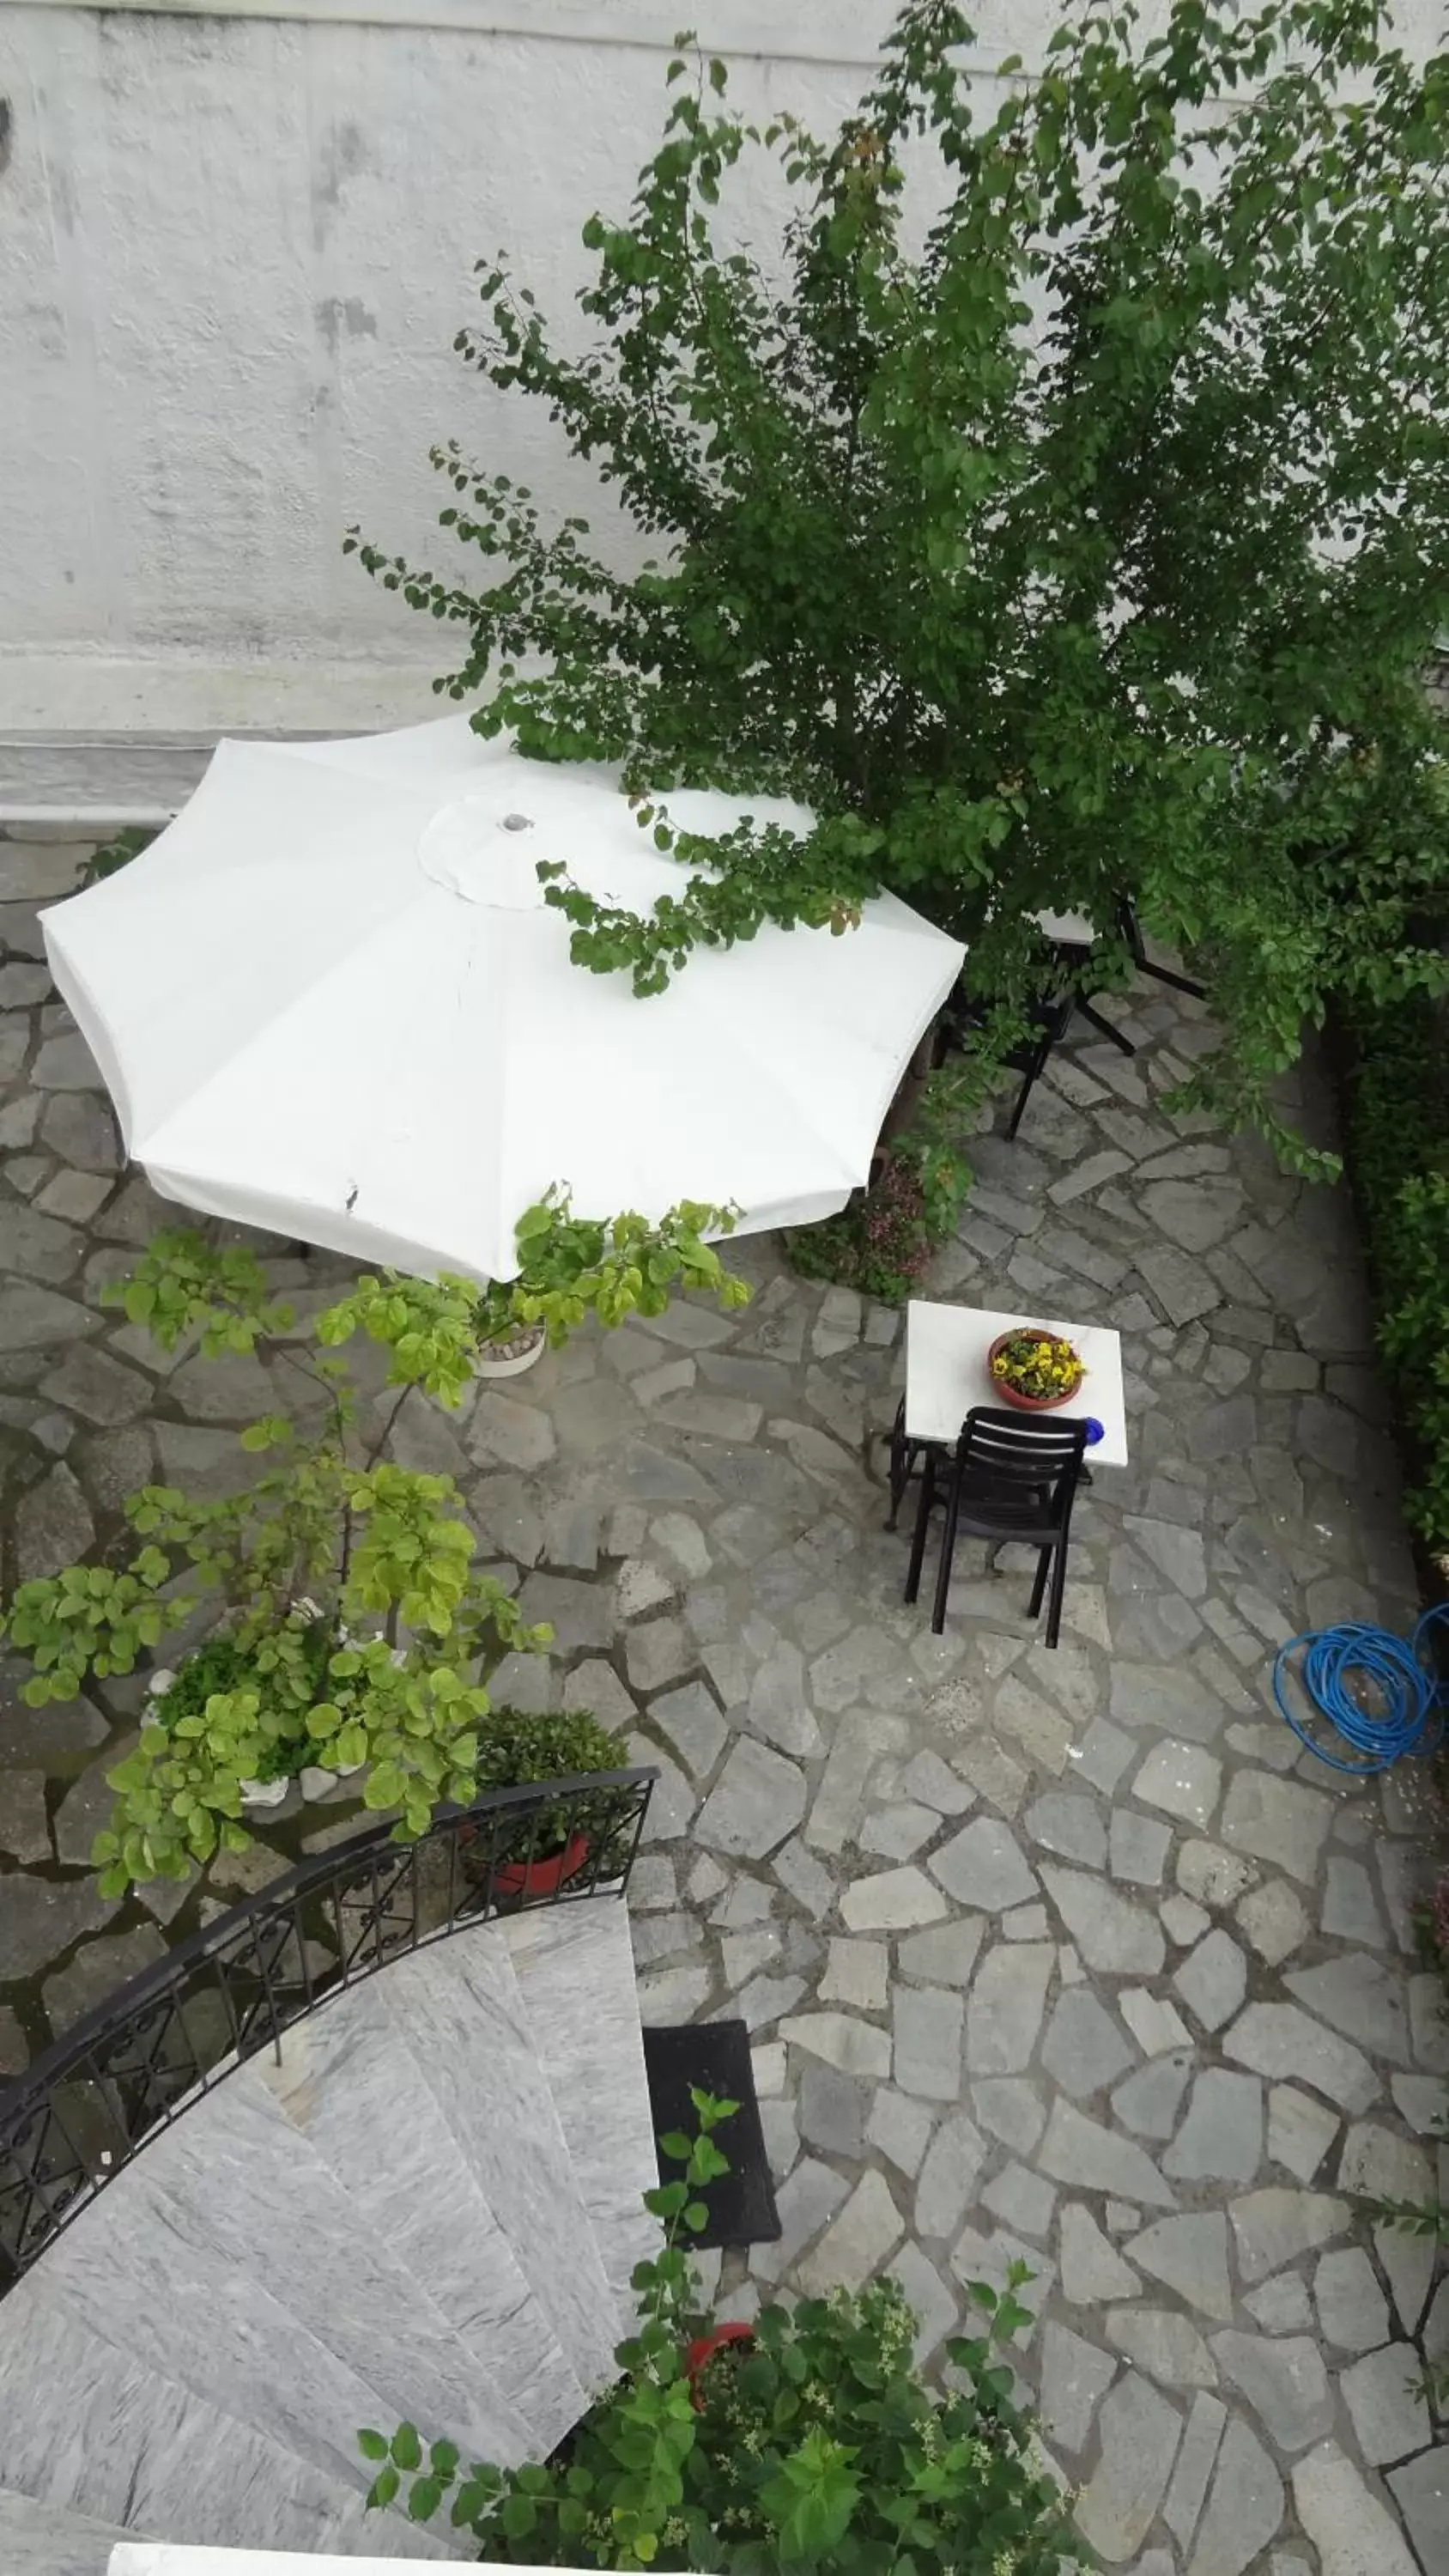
x=522, y=1350
x=1013, y=1395
x=699, y=2354
x=543, y=1876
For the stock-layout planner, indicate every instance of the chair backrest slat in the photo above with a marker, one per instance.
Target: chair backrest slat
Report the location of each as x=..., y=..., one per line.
x=1009, y=1450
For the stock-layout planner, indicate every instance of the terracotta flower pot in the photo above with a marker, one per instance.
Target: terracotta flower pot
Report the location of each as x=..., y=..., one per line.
x=544, y=1876
x=1013, y=1395
x=699, y=2354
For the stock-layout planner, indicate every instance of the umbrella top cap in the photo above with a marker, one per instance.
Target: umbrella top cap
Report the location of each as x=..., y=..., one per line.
x=486, y=849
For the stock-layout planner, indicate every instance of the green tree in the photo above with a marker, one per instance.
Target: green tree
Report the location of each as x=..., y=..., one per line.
x=1060, y=507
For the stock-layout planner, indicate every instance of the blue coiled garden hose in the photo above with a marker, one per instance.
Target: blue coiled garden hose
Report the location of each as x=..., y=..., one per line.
x=1383, y=1694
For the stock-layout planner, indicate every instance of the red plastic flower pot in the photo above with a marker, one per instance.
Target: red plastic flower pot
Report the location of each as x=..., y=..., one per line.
x=545, y=1876
x=699, y=2354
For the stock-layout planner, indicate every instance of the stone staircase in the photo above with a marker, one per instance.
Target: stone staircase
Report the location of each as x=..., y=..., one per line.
x=430, y=2209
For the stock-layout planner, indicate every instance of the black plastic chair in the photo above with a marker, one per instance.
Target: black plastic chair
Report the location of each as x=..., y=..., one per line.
x=1131, y=929
x=1014, y=1476
x=1051, y=1015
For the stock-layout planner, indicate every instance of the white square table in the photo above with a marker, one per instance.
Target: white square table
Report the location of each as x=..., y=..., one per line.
x=946, y=1373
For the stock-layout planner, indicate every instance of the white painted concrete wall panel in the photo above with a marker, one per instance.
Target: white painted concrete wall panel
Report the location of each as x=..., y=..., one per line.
x=234, y=251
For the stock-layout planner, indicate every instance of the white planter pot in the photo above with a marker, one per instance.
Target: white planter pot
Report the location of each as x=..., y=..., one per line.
x=486, y=1367
x=264, y=1793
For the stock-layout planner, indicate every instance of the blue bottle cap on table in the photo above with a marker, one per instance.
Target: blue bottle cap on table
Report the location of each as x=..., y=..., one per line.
x=1095, y=1431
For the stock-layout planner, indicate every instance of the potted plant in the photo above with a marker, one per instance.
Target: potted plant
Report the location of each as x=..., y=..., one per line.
x=223, y=1664
x=356, y=1628
x=569, y=1268
x=506, y=1347
x=701, y=2350
x=553, y=1842
x=572, y=1266
x=810, y=2440
x=1034, y=1368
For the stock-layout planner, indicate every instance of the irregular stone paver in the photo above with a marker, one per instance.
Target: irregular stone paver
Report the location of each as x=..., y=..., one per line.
x=982, y=1866
x=1167, y=2346
x=1245, y=2507
x=1092, y=2271
x=1008, y=1998
x=1221, y=2139
x=1273, y=2227
x=1191, y=2256
x=1279, y=2039
x=1213, y=1980
x=1200, y=2445
x=1421, y=2491
x=1285, y=2381
x=1353, y=2531
x=1112, y=1932
x=1385, y=2405
x=897, y=1900
x=1139, y=2435
x=1353, y=2313
x=1075, y=2377
x=1073, y=1955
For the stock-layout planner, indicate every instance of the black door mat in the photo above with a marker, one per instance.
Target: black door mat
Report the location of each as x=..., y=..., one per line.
x=714, y=2056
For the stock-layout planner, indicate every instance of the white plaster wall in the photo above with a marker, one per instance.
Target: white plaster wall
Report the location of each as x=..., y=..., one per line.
x=234, y=250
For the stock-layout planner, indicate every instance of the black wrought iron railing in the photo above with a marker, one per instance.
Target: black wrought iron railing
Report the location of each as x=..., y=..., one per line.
x=79, y=2114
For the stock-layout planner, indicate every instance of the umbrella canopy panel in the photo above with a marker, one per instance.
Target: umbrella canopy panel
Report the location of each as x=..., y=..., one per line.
x=331, y=1001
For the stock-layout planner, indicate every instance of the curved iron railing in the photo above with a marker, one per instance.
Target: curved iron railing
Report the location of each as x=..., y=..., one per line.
x=91, y=2101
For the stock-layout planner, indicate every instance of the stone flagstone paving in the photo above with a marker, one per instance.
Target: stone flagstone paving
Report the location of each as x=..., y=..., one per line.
x=1072, y=1956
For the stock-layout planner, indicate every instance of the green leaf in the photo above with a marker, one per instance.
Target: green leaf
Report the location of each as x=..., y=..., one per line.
x=373, y=2446
x=426, y=2496
x=407, y=2450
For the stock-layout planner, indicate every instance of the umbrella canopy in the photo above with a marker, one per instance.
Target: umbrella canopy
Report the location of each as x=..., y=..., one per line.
x=330, y=1001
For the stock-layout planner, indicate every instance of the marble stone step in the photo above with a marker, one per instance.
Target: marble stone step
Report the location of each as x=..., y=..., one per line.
x=460, y=2010
x=347, y=2082
x=86, y=2428
x=134, y=2270
x=51, y=2540
x=244, y=2184
x=575, y=1968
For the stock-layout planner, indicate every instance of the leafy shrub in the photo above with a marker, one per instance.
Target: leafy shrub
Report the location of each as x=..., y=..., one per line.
x=385, y=1676
x=1429, y=2218
x=516, y=1748
x=1397, y=1140
x=569, y=1267
x=114, y=855
x=818, y=2448
x=284, y=1688
x=883, y=1241
x=880, y=1244
x=1057, y=504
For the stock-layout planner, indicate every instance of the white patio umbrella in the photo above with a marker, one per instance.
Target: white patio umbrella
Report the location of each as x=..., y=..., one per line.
x=330, y=1001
